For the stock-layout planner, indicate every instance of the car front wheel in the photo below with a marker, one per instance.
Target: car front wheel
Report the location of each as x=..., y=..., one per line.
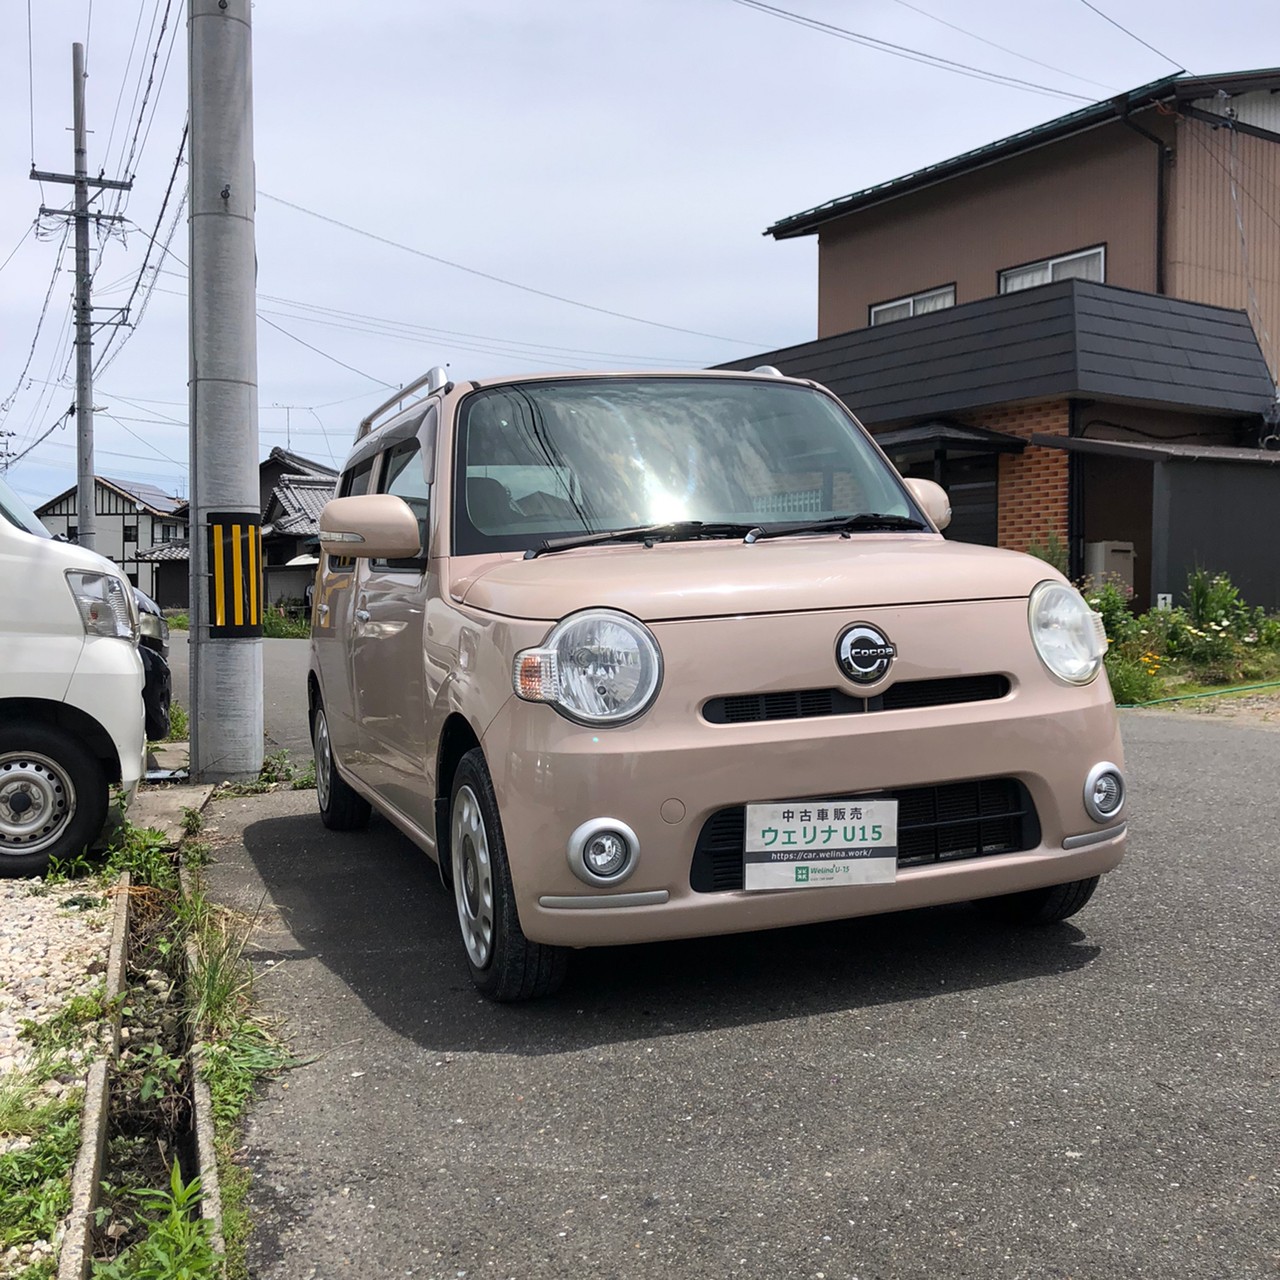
x=504, y=964
x=53, y=798
x=1039, y=906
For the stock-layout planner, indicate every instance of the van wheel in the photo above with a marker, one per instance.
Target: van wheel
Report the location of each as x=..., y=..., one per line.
x=341, y=808
x=504, y=964
x=53, y=798
x=1039, y=906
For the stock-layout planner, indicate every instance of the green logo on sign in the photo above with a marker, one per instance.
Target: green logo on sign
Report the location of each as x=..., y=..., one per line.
x=802, y=875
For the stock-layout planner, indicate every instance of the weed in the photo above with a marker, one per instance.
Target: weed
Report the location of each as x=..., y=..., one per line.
x=179, y=621
x=179, y=723
x=197, y=853
x=141, y=851
x=34, y=1187
x=192, y=822
x=177, y=1242
x=304, y=779
x=278, y=624
x=68, y=1028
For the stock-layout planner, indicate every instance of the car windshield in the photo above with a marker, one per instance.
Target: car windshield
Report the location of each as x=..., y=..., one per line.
x=15, y=511
x=540, y=460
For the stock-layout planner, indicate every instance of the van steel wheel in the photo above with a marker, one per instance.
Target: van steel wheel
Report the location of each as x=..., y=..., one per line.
x=504, y=964
x=341, y=808
x=53, y=798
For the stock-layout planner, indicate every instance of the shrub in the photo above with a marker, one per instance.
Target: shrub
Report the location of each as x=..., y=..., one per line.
x=1110, y=597
x=1053, y=550
x=1134, y=676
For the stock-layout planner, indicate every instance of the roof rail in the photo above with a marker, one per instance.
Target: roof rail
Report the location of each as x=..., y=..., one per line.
x=433, y=380
x=768, y=370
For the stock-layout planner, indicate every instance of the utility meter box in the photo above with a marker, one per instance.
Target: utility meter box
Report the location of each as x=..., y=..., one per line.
x=1109, y=559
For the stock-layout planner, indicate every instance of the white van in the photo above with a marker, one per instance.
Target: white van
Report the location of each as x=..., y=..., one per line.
x=71, y=711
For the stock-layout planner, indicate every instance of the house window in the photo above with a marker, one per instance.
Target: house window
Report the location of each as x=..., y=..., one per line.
x=131, y=533
x=916, y=304
x=1088, y=264
x=73, y=532
x=168, y=532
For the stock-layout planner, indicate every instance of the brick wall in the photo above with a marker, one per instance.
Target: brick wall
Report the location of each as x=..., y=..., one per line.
x=1033, y=484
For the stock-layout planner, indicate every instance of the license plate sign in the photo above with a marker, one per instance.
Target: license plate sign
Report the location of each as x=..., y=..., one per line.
x=817, y=844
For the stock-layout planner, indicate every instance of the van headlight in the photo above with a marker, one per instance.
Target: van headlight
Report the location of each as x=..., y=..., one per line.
x=105, y=603
x=1068, y=635
x=598, y=667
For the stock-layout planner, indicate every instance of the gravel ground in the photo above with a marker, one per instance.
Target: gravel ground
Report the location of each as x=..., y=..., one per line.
x=53, y=946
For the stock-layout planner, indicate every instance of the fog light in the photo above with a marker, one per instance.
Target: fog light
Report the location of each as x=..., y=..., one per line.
x=1104, y=792
x=603, y=851
x=606, y=854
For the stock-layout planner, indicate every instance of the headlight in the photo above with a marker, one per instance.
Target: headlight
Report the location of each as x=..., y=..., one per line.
x=149, y=624
x=598, y=667
x=1068, y=635
x=105, y=603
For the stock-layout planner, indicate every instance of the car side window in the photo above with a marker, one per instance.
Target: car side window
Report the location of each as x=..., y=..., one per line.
x=404, y=476
x=352, y=484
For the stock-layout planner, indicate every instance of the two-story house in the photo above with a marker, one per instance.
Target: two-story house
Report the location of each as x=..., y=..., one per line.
x=1077, y=330
x=129, y=517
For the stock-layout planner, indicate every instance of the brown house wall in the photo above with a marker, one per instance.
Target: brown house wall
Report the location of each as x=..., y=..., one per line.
x=1205, y=252
x=1097, y=188
x=1033, y=484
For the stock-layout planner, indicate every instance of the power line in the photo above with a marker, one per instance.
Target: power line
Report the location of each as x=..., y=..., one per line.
x=7, y=403
x=107, y=354
x=1026, y=57
x=124, y=80
x=17, y=457
x=31, y=94
x=16, y=247
x=911, y=55
x=524, y=288
x=143, y=441
x=151, y=75
x=391, y=386
x=1131, y=35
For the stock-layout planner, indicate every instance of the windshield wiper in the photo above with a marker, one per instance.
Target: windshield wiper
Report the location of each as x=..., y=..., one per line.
x=866, y=520
x=676, y=531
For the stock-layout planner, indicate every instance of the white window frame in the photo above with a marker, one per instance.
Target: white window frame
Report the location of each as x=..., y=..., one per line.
x=911, y=300
x=1098, y=250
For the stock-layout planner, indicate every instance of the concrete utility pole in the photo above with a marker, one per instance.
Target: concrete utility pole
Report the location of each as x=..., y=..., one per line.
x=226, y=548
x=86, y=499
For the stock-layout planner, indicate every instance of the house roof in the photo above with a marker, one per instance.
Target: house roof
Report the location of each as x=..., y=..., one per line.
x=1159, y=450
x=293, y=510
x=954, y=437
x=296, y=463
x=1175, y=88
x=153, y=499
x=164, y=551
x=1072, y=337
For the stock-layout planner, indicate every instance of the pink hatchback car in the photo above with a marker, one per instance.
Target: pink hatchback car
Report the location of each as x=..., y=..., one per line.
x=640, y=656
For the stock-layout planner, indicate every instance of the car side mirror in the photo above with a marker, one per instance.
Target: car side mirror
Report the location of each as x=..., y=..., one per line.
x=375, y=526
x=933, y=499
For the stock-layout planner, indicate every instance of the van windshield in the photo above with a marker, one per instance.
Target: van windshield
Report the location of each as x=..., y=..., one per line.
x=15, y=511
x=539, y=460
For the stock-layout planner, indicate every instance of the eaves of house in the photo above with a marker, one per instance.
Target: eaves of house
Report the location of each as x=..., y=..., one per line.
x=1073, y=338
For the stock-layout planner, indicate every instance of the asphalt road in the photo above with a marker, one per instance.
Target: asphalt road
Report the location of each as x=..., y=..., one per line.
x=284, y=679
x=911, y=1096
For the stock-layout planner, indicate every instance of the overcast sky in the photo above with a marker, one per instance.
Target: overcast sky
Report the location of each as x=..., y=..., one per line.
x=625, y=154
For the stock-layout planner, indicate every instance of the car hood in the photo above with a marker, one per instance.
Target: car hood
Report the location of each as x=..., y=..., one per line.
x=714, y=579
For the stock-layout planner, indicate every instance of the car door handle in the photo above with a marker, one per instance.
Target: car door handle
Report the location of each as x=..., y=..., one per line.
x=323, y=610
x=362, y=615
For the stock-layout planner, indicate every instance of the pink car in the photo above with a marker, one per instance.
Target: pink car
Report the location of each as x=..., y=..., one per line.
x=642, y=656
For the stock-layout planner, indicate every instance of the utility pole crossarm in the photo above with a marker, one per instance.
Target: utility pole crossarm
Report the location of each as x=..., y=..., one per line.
x=38, y=175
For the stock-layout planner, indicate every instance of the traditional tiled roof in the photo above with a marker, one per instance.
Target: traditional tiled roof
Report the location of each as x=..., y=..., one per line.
x=295, y=505
x=166, y=551
x=300, y=465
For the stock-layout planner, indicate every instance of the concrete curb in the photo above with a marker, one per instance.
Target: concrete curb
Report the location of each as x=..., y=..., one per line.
x=77, y=1243
x=202, y=1109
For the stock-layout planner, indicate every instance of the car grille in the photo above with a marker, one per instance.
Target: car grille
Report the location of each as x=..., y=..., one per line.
x=946, y=823
x=802, y=704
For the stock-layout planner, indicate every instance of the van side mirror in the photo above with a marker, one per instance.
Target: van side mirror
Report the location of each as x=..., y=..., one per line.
x=933, y=499
x=374, y=526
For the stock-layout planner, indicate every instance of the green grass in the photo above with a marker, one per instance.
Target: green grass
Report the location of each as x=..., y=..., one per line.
x=35, y=1183
x=69, y=1028
x=178, y=621
x=177, y=1245
x=179, y=723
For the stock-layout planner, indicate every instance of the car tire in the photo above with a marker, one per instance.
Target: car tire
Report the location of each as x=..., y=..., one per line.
x=53, y=798
x=1039, y=906
x=341, y=807
x=504, y=964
